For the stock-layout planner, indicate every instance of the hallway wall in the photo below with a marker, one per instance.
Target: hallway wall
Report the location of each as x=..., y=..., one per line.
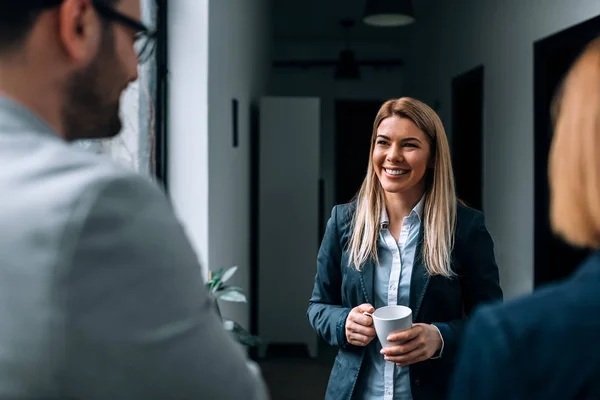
x=219, y=50
x=456, y=36
x=188, y=119
x=239, y=43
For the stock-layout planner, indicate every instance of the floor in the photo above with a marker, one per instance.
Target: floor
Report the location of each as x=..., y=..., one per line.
x=291, y=374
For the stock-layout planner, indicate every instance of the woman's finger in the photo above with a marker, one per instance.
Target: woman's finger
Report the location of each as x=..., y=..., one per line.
x=417, y=355
x=366, y=307
x=403, y=348
x=358, y=340
x=361, y=319
x=406, y=335
x=362, y=330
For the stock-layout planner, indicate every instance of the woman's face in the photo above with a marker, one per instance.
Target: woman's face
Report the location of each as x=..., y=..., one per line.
x=401, y=156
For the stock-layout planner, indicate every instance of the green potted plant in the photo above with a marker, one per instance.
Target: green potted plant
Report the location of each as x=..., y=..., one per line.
x=217, y=286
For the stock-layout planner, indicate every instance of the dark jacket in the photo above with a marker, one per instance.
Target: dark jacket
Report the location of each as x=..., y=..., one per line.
x=339, y=288
x=542, y=346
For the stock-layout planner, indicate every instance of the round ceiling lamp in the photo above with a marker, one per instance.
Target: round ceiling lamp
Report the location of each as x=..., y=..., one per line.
x=389, y=13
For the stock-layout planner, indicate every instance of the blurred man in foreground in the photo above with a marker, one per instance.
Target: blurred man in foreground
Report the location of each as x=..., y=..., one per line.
x=101, y=295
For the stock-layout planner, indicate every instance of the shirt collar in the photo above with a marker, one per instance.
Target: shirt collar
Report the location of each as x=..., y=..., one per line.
x=417, y=210
x=16, y=117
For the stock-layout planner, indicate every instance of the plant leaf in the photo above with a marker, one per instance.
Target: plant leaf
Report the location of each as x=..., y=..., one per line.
x=214, y=282
x=246, y=339
x=215, y=275
x=232, y=295
x=211, y=285
x=214, y=286
x=228, y=274
x=228, y=288
x=241, y=335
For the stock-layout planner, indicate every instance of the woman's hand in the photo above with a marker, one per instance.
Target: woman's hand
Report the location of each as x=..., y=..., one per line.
x=359, y=327
x=413, y=345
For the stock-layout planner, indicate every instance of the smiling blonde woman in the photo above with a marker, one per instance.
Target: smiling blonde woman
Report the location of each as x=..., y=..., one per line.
x=405, y=240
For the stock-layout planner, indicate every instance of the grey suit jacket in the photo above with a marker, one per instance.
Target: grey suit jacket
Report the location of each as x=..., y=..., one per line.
x=101, y=295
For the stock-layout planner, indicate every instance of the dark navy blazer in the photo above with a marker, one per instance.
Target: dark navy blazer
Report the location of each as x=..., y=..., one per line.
x=433, y=299
x=544, y=346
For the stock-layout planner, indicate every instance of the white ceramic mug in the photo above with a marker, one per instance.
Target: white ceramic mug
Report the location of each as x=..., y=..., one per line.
x=390, y=319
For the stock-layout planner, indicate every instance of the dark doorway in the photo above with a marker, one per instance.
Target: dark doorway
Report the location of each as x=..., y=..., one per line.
x=553, y=55
x=353, y=130
x=161, y=101
x=254, y=220
x=467, y=136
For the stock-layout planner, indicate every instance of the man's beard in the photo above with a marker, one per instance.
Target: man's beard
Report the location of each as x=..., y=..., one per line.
x=90, y=111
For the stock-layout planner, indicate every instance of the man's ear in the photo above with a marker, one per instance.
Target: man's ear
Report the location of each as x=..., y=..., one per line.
x=78, y=30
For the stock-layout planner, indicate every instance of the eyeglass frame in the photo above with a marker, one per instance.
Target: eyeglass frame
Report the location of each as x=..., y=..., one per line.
x=109, y=13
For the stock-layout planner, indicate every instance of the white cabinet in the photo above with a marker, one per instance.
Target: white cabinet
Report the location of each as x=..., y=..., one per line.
x=288, y=216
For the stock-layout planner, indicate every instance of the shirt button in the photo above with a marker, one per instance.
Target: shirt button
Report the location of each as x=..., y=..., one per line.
x=388, y=392
x=393, y=287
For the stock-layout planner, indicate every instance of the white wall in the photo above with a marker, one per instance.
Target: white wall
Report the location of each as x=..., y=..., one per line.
x=460, y=34
x=239, y=40
x=375, y=84
x=218, y=50
x=188, y=150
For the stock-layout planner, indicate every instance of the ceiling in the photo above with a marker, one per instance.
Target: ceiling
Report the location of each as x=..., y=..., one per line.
x=311, y=20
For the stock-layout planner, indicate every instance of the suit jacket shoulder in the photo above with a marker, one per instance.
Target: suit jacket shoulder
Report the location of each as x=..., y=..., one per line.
x=345, y=212
x=344, y=215
x=533, y=346
x=468, y=219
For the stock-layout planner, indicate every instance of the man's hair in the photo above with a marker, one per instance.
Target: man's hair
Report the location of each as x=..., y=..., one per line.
x=17, y=18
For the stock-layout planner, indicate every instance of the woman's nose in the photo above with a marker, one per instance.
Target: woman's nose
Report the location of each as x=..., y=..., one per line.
x=395, y=154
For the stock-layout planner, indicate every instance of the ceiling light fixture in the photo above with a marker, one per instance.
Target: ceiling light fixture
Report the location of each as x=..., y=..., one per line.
x=389, y=13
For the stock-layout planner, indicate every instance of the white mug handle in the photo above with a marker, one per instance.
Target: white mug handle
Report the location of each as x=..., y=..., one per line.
x=367, y=314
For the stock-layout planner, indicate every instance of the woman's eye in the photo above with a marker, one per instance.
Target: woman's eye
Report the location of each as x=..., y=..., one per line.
x=381, y=142
x=410, y=145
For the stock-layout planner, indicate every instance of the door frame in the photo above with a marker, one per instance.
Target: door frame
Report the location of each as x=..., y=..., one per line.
x=543, y=49
x=479, y=69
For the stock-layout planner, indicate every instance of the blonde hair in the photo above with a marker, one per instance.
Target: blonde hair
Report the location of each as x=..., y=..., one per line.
x=574, y=165
x=440, y=197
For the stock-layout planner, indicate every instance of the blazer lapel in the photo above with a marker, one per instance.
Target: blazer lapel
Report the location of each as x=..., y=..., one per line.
x=367, y=281
x=419, y=279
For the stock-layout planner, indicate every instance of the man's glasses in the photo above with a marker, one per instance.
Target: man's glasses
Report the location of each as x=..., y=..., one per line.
x=145, y=38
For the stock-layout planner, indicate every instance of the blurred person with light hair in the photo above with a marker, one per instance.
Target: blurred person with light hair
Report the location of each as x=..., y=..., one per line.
x=545, y=345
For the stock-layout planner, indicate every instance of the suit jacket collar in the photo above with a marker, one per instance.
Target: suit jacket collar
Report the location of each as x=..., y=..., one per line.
x=367, y=280
x=419, y=279
x=589, y=270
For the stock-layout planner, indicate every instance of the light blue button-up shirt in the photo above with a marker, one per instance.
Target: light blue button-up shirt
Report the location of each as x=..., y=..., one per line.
x=380, y=379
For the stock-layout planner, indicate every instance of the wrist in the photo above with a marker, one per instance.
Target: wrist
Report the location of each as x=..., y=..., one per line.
x=435, y=332
x=439, y=340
